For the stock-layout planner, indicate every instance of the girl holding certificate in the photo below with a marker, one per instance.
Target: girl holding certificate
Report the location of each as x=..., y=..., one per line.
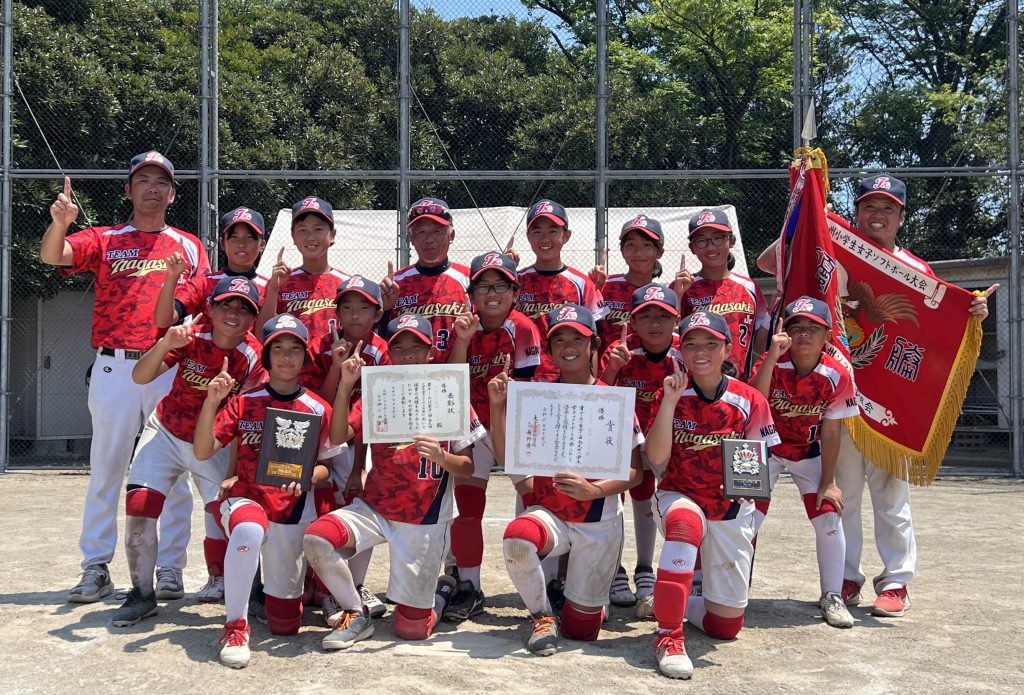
x=698, y=410
x=566, y=514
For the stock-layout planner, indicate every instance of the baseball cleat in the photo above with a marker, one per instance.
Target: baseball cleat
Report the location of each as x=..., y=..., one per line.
x=851, y=592
x=892, y=603
x=235, y=638
x=168, y=584
x=134, y=609
x=349, y=629
x=643, y=579
x=93, y=586
x=375, y=608
x=467, y=602
x=671, y=653
x=620, y=594
x=331, y=609
x=556, y=594
x=834, y=611
x=212, y=591
x=544, y=638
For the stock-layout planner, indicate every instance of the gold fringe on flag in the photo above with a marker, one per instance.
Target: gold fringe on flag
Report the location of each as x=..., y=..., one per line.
x=921, y=467
x=815, y=160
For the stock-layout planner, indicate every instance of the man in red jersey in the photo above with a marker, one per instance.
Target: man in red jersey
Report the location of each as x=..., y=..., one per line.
x=129, y=264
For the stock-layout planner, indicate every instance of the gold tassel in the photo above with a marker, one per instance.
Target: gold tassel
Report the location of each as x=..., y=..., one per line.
x=815, y=160
x=920, y=468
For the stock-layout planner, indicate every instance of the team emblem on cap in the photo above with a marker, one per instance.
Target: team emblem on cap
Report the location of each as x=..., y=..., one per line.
x=700, y=319
x=154, y=157
x=706, y=217
x=544, y=206
x=492, y=260
x=639, y=221
x=355, y=281
x=653, y=293
x=239, y=285
x=242, y=214
x=802, y=305
x=310, y=204
x=407, y=320
x=424, y=202
x=567, y=313
x=287, y=321
x=290, y=433
x=882, y=182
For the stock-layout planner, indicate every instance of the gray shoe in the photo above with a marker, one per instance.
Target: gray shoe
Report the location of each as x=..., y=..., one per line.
x=93, y=586
x=135, y=608
x=834, y=610
x=544, y=639
x=168, y=584
x=465, y=603
x=349, y=629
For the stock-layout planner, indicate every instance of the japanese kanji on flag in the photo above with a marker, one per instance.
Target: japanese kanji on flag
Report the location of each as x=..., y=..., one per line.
x=908, y=336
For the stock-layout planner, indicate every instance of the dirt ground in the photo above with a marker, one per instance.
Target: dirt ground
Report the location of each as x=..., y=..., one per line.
x=964, y=633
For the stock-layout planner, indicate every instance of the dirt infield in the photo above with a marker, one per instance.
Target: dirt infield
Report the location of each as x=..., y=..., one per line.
x=964, y=633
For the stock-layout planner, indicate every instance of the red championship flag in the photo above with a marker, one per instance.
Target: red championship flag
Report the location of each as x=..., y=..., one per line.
x=907, y=336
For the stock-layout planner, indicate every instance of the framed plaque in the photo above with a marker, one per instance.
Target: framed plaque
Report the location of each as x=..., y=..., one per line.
x=401, y=401
x=745, y=469
x=289, y=449
x=555, y=427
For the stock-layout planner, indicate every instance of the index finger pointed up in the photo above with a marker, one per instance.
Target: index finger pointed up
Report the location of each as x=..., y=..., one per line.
x=391, y=270
x=358, y=349
x=991, y=290
x=280, y=255
x=67, y=187
x=778, y=325
x=508, y=364
x=604, y=260
x=510, y=244
x=625, y=332
x=682, y=261
x=224, y=367
x=466, y=306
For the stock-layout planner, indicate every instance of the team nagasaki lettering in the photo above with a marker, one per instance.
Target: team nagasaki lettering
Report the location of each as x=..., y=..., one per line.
x=722, y=308
x=699, y=442
x=410, y=300
x=305, y=307
x=535, y=309
x=116, y=254
x=140, y=266
x=453, y=309
x=781, y=405
x=250, y=432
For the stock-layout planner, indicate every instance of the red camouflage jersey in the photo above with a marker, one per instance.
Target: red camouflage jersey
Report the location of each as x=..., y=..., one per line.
x=407, y=488
x=130, y=267
x=309, y=297
x=698, y=428
x=193, y=297
x=799, y=404
x=437, y=296
x=516, y=336
x=739, y=301
x=542, y=291
x=572, y=510
x=198, y=362
x=618, y=297
x=644, y=374
x=374, y=354
x=242, y=418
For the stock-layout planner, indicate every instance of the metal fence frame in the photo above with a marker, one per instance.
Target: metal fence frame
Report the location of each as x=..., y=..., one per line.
x=209, y=173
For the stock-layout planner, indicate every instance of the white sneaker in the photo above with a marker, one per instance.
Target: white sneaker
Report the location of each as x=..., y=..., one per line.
x=332, y=610
x=375, y=608
x=212, y=591
x=168, y=584
x=235, y=639
x=834, y=610
x=671, y=653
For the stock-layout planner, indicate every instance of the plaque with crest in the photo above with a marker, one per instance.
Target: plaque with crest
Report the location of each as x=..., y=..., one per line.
x=745, y=469
x=288, y=451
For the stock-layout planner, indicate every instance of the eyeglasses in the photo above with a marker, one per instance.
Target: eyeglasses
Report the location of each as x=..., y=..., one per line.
x=496, y=288
x=716, y=240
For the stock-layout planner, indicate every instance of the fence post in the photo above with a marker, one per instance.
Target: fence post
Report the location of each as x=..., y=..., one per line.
x=601, y=154
x=214, y=173
x=1013, y=225
x=404, y=151
x=6, y=240
x=203, y=168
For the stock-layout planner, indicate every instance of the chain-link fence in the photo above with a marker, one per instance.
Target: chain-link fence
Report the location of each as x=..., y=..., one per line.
x=606, y=106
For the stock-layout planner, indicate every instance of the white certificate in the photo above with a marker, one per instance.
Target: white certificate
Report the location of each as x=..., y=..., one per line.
x=569, y=427
x=401, y=401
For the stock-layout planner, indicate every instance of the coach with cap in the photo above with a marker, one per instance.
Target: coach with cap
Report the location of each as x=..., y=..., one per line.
x=128, y=261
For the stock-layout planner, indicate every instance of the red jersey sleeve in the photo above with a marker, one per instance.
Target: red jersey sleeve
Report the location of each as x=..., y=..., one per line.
x=192, y=295
x=355, y=421
x=760, y=424
x=527, y=343
x=844, y=400
x=86, y=251
x=225, y=427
